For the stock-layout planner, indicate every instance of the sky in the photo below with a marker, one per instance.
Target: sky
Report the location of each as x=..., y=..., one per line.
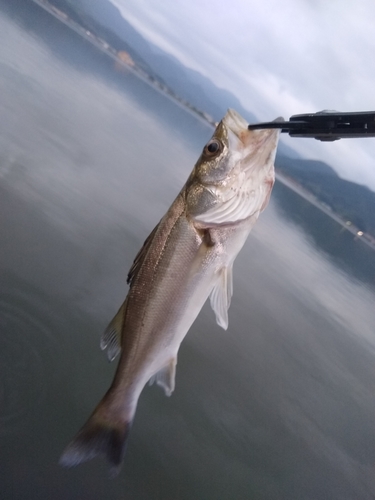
x=279, y=58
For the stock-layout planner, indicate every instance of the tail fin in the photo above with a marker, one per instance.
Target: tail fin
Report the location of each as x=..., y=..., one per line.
x=98, y=437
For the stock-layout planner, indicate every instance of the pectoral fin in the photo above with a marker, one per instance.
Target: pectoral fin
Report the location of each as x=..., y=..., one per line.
x=221, y=295
x=111, y=338
x=165, y=377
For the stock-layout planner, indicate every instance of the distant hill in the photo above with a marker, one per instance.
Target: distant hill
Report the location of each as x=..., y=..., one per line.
x=104, y=19
x=195, y=87
x=351, y=201
x=76, y=10
x=314, y=167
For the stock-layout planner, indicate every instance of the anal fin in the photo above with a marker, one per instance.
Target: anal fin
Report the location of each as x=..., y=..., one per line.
x=165, y=377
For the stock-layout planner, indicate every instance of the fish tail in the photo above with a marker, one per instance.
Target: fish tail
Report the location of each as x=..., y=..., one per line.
x=99, y=436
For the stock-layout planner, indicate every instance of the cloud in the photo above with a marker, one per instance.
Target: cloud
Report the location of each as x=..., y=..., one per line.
x=279, y=59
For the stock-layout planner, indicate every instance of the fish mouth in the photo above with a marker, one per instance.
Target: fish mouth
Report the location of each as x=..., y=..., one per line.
x=239, y=126
x=250, y=143
x=235, y=122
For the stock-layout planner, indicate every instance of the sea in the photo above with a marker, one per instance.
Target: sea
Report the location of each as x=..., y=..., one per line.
x=279, y=406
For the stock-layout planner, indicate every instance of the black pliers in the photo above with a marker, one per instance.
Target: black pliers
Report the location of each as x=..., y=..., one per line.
x=326, y=125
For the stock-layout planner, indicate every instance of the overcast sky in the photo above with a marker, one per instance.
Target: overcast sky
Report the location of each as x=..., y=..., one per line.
x=279, y=58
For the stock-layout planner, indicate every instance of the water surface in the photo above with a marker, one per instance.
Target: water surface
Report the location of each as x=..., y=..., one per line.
x=279, y=406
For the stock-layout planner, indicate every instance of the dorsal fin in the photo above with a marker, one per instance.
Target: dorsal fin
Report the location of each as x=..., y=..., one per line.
x=111, y=337
x=140, y=256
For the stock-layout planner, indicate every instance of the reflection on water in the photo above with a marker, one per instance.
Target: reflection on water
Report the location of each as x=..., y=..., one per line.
x=280, y=406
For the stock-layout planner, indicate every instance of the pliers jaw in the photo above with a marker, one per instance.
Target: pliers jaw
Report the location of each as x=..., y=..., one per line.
x=326, y=125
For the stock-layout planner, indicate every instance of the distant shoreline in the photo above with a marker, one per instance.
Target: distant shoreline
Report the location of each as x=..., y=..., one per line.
x=112, y=53
x=307, y=195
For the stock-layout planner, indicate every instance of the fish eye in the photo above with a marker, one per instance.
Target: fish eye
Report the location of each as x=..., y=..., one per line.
x=213, y=147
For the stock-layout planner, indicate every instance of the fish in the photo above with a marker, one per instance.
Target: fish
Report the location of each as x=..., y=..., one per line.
x=187, y=258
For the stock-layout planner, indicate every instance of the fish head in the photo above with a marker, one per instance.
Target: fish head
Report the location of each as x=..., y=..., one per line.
x=234, y=175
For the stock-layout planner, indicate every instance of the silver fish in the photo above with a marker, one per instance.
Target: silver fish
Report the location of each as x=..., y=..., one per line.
x=187, y=258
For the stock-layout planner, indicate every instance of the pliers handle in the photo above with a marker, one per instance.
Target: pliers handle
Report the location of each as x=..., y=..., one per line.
x=325, y=125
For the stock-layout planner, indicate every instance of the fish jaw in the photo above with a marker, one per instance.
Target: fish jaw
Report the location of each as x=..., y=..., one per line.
x=256, y=148
x=247, y=158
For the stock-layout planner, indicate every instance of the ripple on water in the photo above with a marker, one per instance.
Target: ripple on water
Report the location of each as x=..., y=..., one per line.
x=26, y=344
